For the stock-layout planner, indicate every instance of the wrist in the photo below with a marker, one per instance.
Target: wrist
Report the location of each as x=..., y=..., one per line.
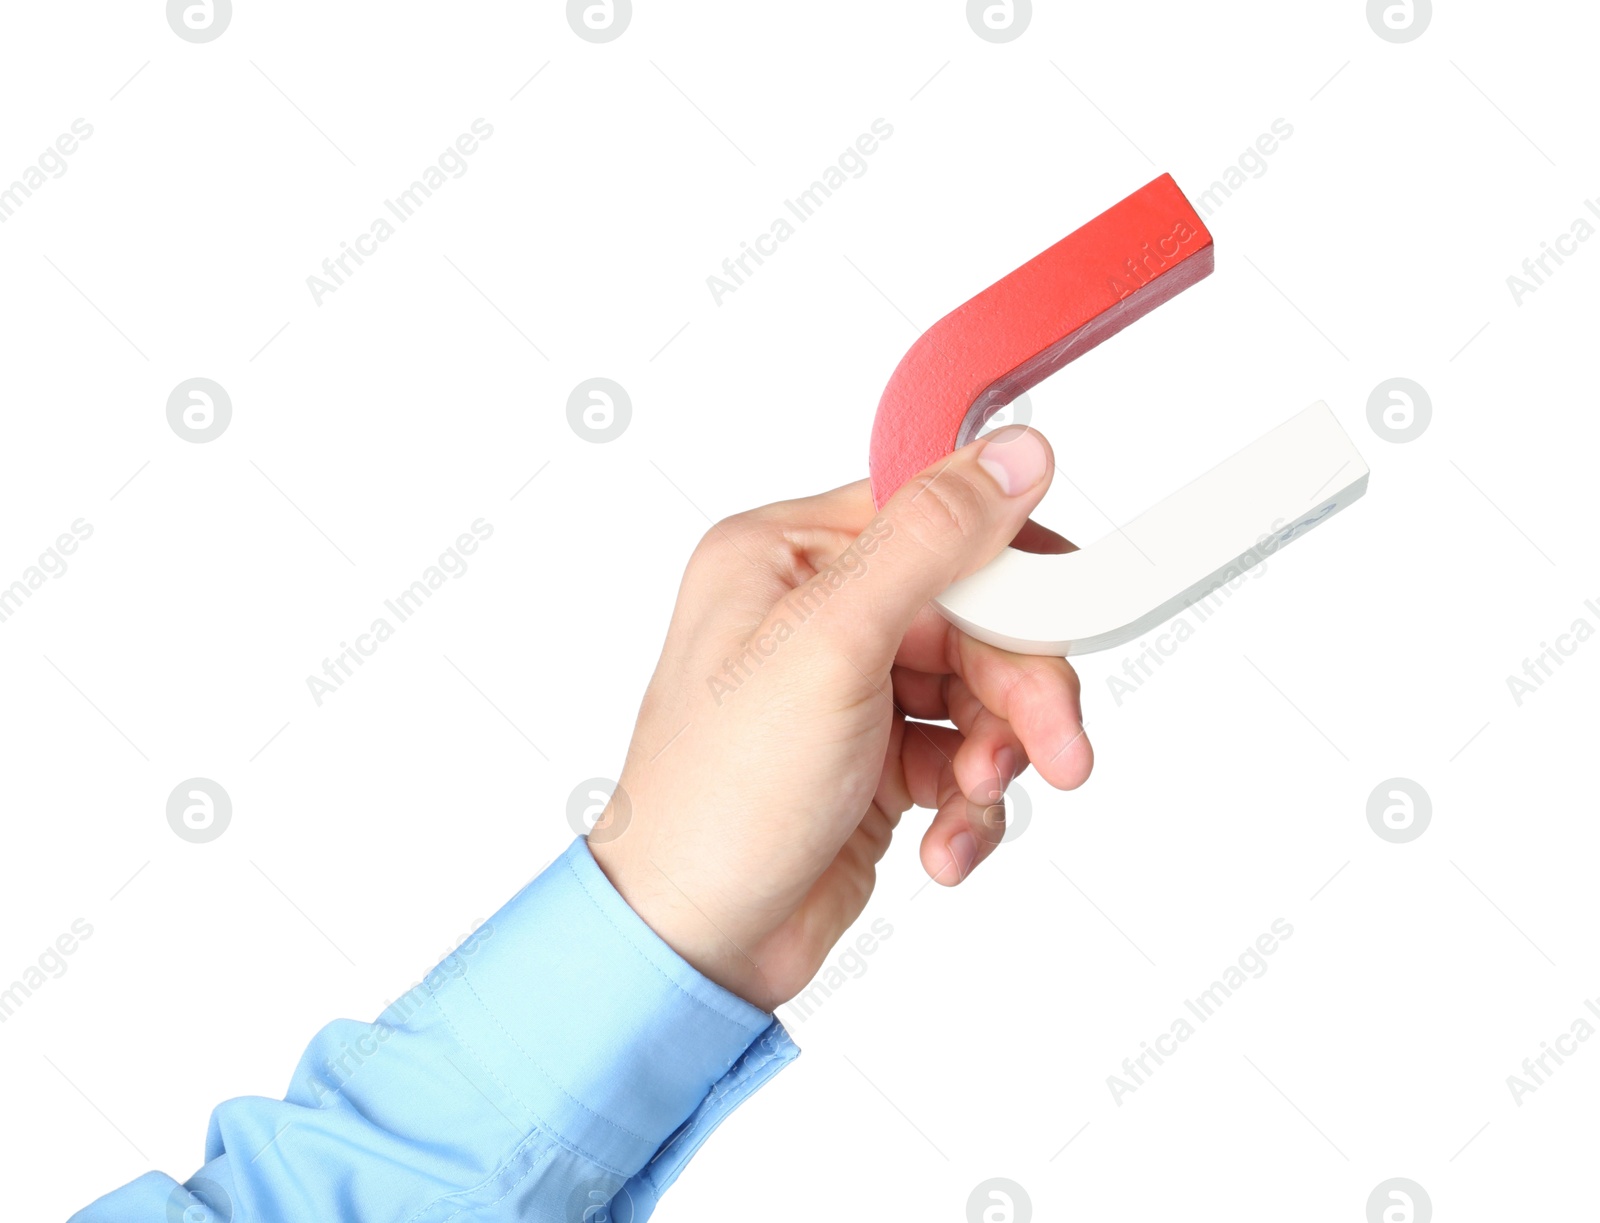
x=682, y=924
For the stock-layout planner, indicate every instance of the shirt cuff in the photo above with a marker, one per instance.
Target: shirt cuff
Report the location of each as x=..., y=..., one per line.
x=585, y=1017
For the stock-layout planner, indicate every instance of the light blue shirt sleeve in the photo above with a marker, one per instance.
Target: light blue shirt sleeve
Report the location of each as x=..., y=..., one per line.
x=562, y=1065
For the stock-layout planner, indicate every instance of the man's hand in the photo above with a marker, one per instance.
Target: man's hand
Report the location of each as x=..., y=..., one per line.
x=774, y=752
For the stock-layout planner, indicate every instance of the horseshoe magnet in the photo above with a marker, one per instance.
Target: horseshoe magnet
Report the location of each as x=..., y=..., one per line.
x=1023, y=328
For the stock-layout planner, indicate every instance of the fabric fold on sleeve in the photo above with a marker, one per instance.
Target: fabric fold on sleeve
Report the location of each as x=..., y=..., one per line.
x=561, y=1060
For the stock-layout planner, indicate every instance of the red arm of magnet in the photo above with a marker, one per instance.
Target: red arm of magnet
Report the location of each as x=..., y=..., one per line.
x=1023, y=328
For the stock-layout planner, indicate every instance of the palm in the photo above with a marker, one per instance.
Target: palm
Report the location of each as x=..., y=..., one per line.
x=775, y=753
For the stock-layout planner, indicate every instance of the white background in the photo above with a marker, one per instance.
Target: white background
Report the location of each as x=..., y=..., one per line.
x=372, y=429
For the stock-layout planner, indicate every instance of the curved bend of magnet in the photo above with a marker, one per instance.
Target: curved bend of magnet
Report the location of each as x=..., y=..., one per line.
x=1019, y=331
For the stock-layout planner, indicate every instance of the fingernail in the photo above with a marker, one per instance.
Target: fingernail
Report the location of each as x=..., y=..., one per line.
x=1015, y=459
x=964, y=849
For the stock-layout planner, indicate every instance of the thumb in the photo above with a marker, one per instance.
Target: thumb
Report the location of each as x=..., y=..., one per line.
x=942, y=525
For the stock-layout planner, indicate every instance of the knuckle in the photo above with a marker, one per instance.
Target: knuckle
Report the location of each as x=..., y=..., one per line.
x=734, y=526
x=945, y=506
x=1037, y=679
x=1049, y=679
x=722, y=538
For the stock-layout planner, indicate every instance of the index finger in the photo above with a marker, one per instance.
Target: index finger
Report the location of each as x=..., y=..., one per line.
x=1040, y=696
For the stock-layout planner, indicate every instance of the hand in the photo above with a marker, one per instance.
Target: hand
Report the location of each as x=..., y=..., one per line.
x=769, y=765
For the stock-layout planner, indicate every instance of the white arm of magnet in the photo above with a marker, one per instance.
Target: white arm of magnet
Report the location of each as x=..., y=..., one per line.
x=1175, y=553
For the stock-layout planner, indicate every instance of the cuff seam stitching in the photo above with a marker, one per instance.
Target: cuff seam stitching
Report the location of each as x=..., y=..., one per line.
x=768, y=1053
x=539, y=1122
x=534, y=1062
